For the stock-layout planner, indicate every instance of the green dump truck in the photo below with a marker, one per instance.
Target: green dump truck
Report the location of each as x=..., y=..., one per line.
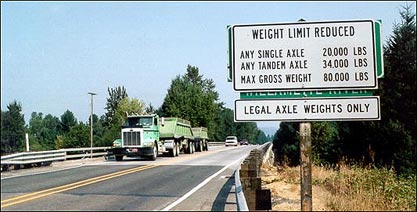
x=151, y=135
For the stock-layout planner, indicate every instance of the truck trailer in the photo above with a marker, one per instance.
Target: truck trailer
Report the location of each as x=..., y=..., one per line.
x=201, y=138
x=150, y=135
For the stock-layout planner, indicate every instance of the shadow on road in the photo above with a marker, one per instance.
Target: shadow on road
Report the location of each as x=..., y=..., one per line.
x=221, y=199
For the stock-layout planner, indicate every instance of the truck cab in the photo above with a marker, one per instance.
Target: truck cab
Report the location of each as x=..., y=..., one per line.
x=139, y=137
x=140, y=131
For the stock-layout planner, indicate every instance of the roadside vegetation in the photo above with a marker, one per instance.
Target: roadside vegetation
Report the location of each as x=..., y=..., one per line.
x=354, y=188
x=345, y=188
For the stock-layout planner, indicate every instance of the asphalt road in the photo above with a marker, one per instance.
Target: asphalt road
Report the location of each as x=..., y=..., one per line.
x=201, y=181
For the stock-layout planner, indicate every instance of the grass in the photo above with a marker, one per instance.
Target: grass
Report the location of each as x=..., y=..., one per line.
x=353, y=188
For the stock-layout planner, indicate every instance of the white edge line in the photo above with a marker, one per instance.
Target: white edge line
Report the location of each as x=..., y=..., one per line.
x=178, y=201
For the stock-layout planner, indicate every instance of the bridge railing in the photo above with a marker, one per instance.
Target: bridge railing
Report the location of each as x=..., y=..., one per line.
x=47, y=157
x=249, y=193
x=241, y=203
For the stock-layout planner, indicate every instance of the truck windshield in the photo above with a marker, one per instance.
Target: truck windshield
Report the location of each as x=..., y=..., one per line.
x=145, y=121
x=136, y=121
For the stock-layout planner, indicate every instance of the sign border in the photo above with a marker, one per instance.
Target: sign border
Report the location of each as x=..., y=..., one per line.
x=310, y=120
x=232, y=53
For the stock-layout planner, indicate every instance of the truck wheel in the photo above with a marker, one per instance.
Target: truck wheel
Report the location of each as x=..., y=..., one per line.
x=178, y=149
x=155, y=153
x=173, y=152
x=119, y=157
x=205, y=146
x=198, y=146
x=189, y=148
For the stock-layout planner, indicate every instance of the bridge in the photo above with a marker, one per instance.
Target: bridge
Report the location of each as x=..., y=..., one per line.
x=200, y=181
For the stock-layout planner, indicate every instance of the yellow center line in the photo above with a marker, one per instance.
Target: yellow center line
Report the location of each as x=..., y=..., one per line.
x=47, y=192
x=72, y=184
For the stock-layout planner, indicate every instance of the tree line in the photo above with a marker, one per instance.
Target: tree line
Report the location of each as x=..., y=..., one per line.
x=390, y=142
x=189, y=96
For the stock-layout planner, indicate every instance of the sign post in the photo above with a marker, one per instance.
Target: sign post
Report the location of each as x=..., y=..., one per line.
x=305, y=167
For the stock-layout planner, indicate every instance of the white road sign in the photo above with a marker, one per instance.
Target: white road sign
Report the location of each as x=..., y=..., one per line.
x=313, y=109
x=332, y=55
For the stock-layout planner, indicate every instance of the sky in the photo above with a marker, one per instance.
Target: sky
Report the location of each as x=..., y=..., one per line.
x=54, y=53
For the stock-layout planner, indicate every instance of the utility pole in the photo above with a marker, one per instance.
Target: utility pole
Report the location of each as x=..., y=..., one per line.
x=91, y=125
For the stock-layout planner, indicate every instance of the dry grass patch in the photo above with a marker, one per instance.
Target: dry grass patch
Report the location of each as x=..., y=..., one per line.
x=348, y=188
x=285, y=189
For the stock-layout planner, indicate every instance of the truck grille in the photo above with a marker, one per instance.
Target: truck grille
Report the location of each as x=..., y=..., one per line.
x=131, y=138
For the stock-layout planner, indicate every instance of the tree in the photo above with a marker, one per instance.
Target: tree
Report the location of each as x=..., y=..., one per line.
x=286, y=144
x=43, y=131
x=247, y=130
x=261, y=138
x=150, y=109
x=325, y=142
x=115, y=96
x=193, y=98
x=98, y=131
x=400, y=82
x=127, y=107
x=12, y=128
x=396, y=139
x=77, y=137
x=111, y=121
x=225, y=126
x=68, y=120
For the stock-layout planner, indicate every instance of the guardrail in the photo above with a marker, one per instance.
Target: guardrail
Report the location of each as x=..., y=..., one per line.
x=247, y=181
x=47, y=157
x=240, y=196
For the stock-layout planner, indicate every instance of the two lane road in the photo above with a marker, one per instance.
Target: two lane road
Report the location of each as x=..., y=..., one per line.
x=201, y=181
